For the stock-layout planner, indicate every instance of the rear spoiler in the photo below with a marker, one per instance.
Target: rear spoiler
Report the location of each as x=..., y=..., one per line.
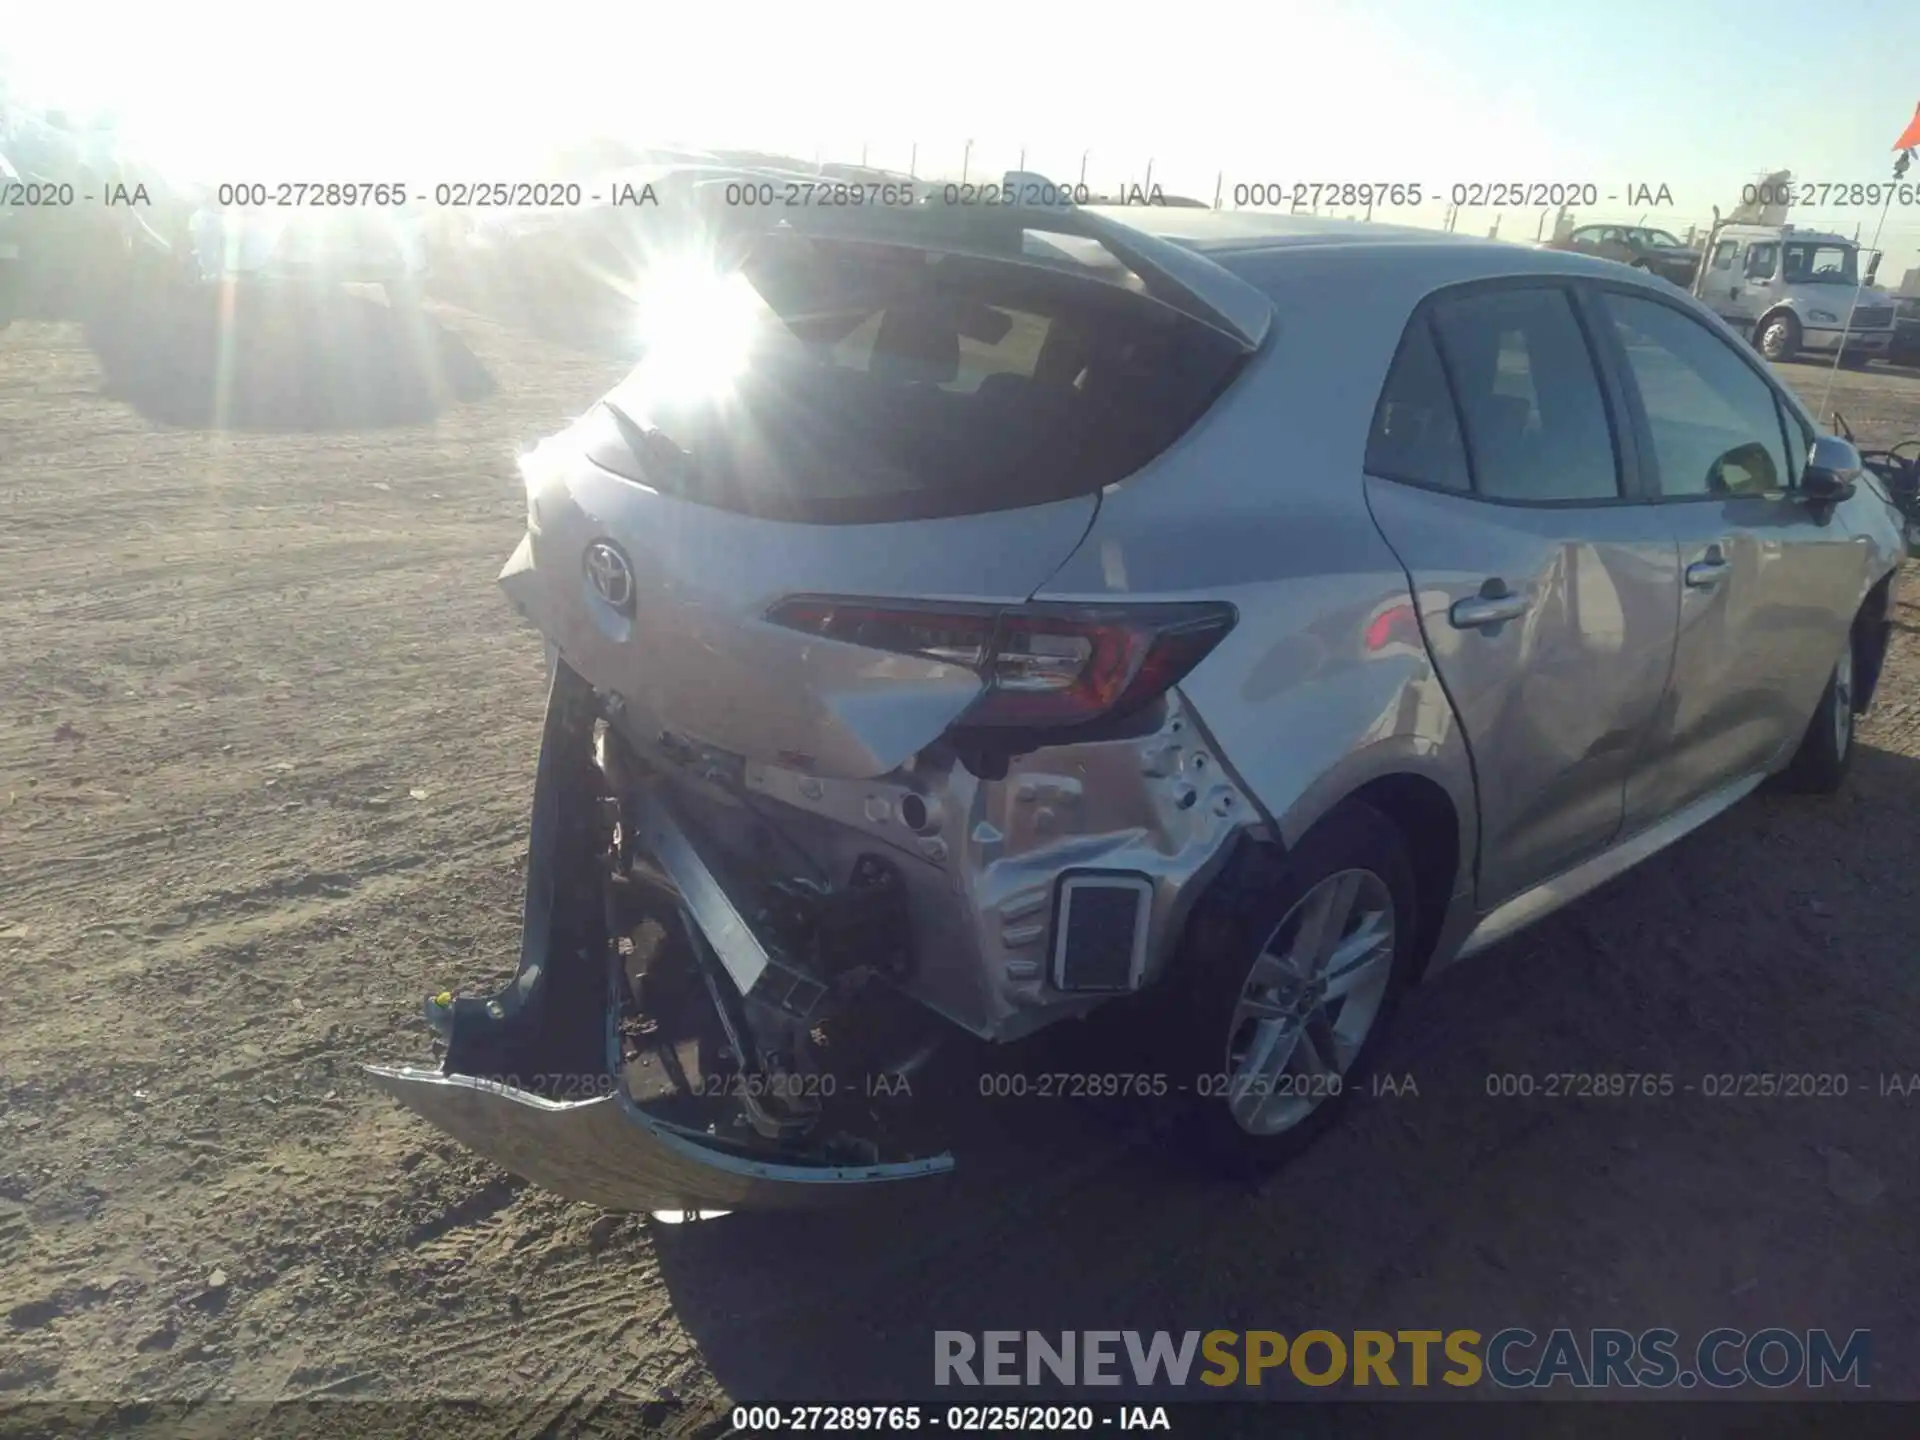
x=1172, y=274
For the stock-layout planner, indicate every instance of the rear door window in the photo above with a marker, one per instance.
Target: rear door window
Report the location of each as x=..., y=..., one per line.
x=1416, y=431
x=1534, y=418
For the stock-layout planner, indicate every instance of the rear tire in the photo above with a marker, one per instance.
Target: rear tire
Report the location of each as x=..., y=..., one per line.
x=1819, y=766
x=1350, y=881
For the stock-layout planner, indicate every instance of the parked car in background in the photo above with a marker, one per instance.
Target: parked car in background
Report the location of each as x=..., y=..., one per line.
x=1658, y=252
x=188, y=241
x=307, y=248
x=62, y=241
x=1790, y=289
x=1244, y=615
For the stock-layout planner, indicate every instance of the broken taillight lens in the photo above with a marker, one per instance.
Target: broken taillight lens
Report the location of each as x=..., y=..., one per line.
x=1043, y=666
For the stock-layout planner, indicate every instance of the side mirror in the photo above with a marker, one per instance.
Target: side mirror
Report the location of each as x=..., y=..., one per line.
x=1873, y=269
x=1833, y=470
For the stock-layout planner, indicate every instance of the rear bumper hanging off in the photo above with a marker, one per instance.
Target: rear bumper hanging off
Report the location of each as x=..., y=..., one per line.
x=608, y=1152
x=556, y=1028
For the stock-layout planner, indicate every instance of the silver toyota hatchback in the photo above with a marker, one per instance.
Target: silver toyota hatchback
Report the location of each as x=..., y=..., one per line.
x=970, y=616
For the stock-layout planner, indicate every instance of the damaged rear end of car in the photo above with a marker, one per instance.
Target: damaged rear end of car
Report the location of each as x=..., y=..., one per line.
x=820, y=781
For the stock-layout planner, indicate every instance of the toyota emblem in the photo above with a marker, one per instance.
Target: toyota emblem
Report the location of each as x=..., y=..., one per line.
x=611, y=575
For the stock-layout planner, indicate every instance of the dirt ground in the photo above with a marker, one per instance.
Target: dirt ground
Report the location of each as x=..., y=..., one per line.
x=267, y=736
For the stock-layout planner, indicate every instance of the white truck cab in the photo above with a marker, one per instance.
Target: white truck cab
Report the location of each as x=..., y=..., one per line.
x=1791, y=289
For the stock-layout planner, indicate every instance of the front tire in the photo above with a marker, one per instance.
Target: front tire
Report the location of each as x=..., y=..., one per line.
x=1292, y=968
x=1779, y=336
x=1854, y=360
x=1819, y=766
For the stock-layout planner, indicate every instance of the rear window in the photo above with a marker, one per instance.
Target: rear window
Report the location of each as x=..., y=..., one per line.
x=855, y=382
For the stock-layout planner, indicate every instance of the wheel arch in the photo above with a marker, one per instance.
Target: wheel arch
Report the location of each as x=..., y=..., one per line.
x=1777, y=309
x=1871, y=634
x=1426, y=790
x=1428, y=820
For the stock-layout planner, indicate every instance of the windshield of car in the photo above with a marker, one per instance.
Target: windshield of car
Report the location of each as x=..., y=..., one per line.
x=1814, y=264
x=843, y=381
x=1657, y=237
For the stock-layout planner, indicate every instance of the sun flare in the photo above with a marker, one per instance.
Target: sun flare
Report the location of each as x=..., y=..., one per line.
x=696, y=324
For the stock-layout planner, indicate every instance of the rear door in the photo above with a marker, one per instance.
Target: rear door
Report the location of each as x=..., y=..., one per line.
x=1770, y=585
x=1546, y=586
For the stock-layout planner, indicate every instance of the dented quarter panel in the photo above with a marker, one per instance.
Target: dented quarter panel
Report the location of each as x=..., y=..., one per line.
x=981, y=870
x=1324, y=684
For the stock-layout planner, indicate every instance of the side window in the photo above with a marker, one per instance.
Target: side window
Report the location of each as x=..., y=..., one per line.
x=1760, y=261
x=1723, y=254
x=1715, y=423
x=1536, y=424
x=1416, y=434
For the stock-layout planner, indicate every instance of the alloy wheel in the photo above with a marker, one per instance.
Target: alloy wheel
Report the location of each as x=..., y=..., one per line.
x=1309, y=1002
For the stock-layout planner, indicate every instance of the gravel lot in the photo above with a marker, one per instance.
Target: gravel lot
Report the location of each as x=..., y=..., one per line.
x=267, y=735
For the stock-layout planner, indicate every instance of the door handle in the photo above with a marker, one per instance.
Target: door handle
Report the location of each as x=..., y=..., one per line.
x=1708, y=571
x=1478, y=611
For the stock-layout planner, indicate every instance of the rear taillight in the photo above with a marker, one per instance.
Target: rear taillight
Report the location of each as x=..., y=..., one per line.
x=1044, y=666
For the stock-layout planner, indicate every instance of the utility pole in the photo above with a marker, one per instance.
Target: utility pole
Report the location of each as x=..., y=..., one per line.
x=1083, y=165
x=966, y=159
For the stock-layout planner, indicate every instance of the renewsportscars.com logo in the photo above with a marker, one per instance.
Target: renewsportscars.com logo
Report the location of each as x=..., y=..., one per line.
x=1512, y=1359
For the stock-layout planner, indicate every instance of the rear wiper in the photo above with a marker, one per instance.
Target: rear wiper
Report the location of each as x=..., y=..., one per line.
x=666, y=464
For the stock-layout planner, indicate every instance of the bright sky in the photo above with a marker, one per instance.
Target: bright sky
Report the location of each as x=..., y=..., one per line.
x=1699, y=95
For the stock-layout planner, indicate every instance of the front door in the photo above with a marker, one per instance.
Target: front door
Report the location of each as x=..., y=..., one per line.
x=1720, y=286
x=1758, y=287
x=1770, y=585
x=1545, y=590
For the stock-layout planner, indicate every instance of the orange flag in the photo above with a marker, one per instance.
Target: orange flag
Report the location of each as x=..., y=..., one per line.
x=1911, y=137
